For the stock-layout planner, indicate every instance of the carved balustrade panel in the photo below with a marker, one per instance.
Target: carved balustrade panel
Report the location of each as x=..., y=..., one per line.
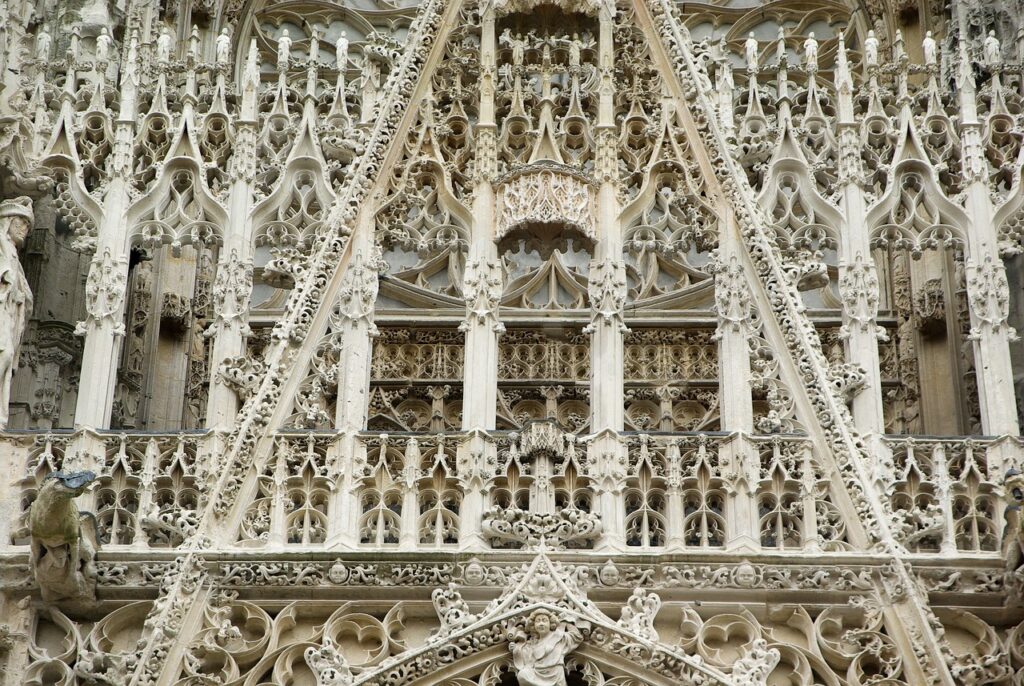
x=292, y=505
x=795, y=498
x=944, y=496
x=409, y=492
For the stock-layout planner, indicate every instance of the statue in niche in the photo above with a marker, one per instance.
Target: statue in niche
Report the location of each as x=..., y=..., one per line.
x=539, y=651
x=43, y=43
x=15, y=297
x=516, y=43
x=341, y=52
x=930, y=49
x=992, y=50
x=63, y=539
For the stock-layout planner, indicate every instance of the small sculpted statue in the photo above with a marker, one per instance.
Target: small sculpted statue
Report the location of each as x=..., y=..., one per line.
x=223, y=47
x=750, y=51
x=63, y=539
x=163, y=46
x=930, y=49
x=103, y=42
x=811, y=52
x=15, y=297
x=539, y=652
x=871, y=50
x=43, y=43
x=992, y=49
x=341, y=51
x=284, y=50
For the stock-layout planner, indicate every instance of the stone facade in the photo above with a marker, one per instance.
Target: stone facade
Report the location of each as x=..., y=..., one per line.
x=496, y=342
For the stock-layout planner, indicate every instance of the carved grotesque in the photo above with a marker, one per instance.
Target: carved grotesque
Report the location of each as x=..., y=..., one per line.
x=1013, y=534
x=15, y=297
x=63, y=549
x=328, y=664
x=539, y=652
x=753, y=668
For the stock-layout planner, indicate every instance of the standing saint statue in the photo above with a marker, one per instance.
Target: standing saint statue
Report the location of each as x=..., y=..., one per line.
x=750, y=51
x=223, y=47
x=871, y=50
x=15, y=297
x=284, y=50
x=538, y=654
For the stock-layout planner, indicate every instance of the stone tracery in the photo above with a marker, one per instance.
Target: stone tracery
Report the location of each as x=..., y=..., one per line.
x=487, y=277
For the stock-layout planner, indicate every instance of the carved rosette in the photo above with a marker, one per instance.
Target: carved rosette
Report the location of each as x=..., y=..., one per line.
x=545, y=194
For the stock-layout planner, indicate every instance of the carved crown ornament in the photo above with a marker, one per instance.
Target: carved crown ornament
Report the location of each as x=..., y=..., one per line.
x=543, y=196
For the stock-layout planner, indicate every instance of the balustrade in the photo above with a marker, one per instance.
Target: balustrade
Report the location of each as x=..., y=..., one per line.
x=675, y=490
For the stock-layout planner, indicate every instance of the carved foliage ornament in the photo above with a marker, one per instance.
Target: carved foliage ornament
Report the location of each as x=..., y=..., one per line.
x=104, y=293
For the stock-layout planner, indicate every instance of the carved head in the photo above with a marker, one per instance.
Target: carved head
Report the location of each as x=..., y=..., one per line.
x=18, y=214
x=541, y=623
x=1014, y=485
x=69, y=484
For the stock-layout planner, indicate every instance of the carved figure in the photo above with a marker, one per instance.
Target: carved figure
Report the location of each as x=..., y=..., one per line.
x=103, y=43
x=163, y=47
x=750, y=50
x=43, y=43
x=811, y=52
x=991, y=49
x=871, y=50
x=63, y=550
x=516, y=43
x=284, y=50
x=15, y=297
x=539, y=653
x=341, y=52
x=223, y=47
x=575, y=51
x=930, y=49
x=1013, y=533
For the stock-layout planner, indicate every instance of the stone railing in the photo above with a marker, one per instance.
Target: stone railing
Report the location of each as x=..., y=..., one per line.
x=946, y=493
x=664, y=491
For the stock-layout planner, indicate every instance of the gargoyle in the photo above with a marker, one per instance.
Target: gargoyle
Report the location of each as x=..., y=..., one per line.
x=63, y=539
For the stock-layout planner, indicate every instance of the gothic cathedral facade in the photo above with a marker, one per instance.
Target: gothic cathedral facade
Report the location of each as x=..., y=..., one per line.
x=511, y=342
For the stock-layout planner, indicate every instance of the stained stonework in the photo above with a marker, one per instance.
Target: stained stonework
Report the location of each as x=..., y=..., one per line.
x=600, y=342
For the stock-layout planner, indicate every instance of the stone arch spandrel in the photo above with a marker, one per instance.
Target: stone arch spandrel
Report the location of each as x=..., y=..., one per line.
x=620, y=650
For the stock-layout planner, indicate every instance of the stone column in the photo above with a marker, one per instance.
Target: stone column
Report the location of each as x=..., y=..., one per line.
x=733, y=305
x=233, y=285
x=987, y=288
x=607, y=291
x=105, y=286
x=858, y=279
x=482, y=286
